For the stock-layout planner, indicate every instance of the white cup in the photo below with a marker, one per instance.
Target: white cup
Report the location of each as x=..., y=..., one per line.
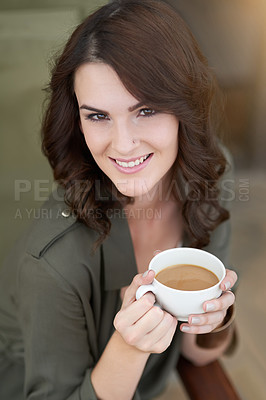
x=182, y=303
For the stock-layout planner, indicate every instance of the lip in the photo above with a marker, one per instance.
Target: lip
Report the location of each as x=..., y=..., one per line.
x=132, y=170
x=130, y=159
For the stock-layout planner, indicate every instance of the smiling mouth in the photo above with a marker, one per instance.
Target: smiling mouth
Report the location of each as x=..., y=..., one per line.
x=131, y=164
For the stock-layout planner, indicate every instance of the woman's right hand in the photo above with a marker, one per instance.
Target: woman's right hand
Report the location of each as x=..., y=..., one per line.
x=140, y=323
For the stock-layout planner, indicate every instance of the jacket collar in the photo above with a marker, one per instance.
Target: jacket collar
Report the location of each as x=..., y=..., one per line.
x=119, y=259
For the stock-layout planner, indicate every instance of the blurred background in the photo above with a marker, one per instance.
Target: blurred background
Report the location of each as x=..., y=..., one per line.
x=232, y=35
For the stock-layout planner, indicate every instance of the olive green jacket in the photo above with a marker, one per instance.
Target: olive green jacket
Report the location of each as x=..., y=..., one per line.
x=58, y=300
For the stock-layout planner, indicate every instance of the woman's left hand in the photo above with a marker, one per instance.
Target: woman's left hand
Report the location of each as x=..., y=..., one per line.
x=216, y=309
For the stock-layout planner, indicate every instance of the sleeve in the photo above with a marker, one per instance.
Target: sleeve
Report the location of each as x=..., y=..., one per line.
x=58, y=360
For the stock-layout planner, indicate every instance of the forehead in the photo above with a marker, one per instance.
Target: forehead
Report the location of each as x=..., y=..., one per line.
x=95, y=70
x=100, y=83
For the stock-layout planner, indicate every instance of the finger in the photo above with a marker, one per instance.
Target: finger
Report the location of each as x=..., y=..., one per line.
x=150, y=320
x=229, y=279
x=140, y=279
x=167, y=322
x=156, y=252
x=196, y=329
x=134, y=334
x=129, y=315
x=161, y=336
x=222, y=303
x=210, y=318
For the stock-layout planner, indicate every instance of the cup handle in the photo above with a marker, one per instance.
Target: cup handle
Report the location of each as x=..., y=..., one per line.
x=143, y=290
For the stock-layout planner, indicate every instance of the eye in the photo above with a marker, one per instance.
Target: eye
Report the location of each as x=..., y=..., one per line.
x=97, y=117
x=146, y=112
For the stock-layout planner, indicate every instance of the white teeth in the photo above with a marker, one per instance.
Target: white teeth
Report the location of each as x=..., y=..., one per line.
x=132, y=164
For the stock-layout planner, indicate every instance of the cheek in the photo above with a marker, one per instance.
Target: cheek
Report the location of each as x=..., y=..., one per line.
x=165, y=133
x=167, y=139
x=95, y=143
x=172, y=136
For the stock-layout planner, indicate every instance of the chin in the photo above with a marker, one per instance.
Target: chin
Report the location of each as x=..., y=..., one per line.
x=134, y=188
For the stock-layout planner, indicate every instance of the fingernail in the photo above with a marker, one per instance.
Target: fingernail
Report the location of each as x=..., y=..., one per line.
x=210, y=307
x=227, y=285
x=185, y=328
x=156, y=252
x=145, y=274
x=195, y=320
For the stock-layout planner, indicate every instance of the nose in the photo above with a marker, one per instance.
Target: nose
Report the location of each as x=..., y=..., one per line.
x=124, y=138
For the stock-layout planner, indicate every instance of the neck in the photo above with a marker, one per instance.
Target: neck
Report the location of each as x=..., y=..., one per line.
x=152, y=202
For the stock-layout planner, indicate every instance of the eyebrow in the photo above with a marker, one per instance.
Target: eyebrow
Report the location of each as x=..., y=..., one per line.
x=97, y=110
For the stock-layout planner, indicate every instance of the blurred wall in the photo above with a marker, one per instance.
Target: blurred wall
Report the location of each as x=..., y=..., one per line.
x=232, y=34
x=31, y=32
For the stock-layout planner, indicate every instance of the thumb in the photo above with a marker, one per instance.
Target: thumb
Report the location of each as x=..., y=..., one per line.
x=146, y=278
x=140, y=279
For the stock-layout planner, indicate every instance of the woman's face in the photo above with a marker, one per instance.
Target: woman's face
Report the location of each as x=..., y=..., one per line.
x=134, y=145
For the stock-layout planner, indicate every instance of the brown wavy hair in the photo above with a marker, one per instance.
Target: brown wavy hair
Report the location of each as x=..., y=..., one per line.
x=158, y=60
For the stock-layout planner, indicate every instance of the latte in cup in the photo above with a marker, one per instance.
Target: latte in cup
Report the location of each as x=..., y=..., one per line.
x=202, y=276
x=187, y=277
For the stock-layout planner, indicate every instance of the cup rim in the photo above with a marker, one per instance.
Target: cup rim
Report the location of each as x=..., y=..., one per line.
x=188, y=291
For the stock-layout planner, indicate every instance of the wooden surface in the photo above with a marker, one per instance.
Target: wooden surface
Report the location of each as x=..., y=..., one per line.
x=209, y=382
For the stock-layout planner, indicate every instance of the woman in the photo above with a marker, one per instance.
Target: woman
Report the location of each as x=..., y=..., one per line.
x=129, y=134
